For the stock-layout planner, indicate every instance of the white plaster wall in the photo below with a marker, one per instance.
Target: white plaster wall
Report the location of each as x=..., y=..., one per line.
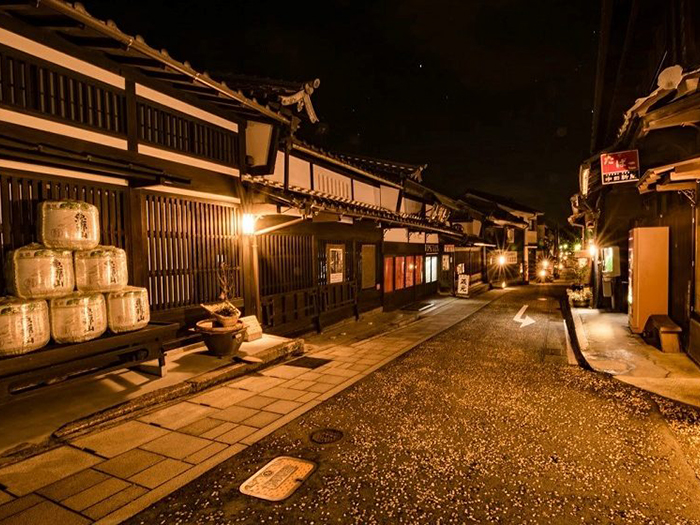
x=299, y=173
x=389, y=197
x=417, y=238
x=411, y=206
x=396, y=235
x=366, y=193
x=278, y=174
x=331, y=182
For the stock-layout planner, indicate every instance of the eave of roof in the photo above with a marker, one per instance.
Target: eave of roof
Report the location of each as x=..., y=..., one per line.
x=387, y=167
x=135, y=51
x=343, y=205
x=334, y=159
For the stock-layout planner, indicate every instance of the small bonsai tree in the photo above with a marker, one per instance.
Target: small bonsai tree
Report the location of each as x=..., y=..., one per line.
x=225, y=312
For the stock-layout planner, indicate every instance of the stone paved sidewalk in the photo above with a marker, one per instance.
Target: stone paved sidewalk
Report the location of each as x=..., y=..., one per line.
x=111, y=474
x=610, y=347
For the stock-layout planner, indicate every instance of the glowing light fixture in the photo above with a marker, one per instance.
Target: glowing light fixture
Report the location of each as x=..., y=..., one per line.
x=577, y=247
x=592, y=249
x=545, y=263
x=501, y=260
x=248, y=224
x=543, y=273
x=503, y=284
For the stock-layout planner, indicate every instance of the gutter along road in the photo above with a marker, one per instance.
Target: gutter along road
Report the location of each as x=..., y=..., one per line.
x=484, y=423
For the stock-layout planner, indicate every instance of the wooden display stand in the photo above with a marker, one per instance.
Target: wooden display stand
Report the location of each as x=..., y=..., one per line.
x=58, y=364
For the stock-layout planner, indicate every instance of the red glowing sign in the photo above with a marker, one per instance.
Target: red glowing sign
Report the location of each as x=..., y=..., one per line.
x=622, y=166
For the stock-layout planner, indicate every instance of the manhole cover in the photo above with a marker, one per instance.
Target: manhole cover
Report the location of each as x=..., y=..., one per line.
x=309, y=362
x=326, y=436
x=278, y=479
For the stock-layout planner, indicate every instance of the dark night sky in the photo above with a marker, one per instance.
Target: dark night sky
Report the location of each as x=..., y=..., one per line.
x=491, y=94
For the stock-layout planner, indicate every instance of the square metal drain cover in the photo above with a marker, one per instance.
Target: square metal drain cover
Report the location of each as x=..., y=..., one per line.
x=309, y=362
x=278, y=479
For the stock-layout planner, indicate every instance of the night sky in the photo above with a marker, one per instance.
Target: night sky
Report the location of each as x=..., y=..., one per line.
x=491, y=94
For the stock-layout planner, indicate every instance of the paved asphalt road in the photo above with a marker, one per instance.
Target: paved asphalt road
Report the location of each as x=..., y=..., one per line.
x=484, y=423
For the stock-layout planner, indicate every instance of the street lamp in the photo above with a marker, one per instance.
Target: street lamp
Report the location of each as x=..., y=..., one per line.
x=251, y=246
x=592, y=249
x=501, y=260
x=248, y=224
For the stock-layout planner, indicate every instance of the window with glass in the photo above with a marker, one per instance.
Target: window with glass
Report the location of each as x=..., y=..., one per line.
x=410, y=270
x=431, y=269
x=419, y=269
x=388, y=274
x=399, y=272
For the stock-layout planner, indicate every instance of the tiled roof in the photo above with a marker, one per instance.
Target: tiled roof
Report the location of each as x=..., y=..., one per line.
x=388, y=168
x=75, y=25
x=301, y=197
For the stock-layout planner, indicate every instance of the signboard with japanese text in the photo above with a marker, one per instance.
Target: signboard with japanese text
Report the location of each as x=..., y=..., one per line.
x=622, y=166
x=432, y=248
x=463, y=284
x=449, y=248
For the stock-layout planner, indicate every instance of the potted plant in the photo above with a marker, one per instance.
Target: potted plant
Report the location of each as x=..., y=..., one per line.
x=222, y=333
x=581, y=298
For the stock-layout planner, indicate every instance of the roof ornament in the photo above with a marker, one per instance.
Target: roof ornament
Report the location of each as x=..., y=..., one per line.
x=302, y=99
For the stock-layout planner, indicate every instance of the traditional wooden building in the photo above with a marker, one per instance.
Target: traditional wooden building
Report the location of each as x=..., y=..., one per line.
x=646, y=101
x=189, y=172
x=338, y=236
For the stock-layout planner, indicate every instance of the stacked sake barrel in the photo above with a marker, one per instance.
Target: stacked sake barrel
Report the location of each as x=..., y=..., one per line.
x=84, y=283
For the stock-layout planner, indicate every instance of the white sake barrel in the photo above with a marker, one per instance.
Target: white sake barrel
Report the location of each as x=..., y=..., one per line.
x=102, y=269
x=24, y=326
x=128, y=309
x=78, y=317
x=72, y=225
x=35, y=272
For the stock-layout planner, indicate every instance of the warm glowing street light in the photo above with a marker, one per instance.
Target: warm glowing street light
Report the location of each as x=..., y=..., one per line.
x=592, y=249
x=543, y=273
x=501, y=260
x=248, y=224
x=503, y=284
x=545, y=263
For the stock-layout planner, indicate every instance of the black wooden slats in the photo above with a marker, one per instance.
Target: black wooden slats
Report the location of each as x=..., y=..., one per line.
x=286, y=263
x=179, y=132
x=187, y=240
x=37, y=88
x=19, y=197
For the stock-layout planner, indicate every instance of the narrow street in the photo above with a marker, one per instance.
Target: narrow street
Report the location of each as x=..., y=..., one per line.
x=484, y=423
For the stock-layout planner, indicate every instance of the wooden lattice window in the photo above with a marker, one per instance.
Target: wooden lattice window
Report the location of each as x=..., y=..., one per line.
x=29, y=85
x=286, y=263
x=187, y=240
x=188, y=135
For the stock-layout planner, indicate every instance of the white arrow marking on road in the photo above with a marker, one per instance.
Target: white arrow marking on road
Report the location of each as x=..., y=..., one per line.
x=524, y=321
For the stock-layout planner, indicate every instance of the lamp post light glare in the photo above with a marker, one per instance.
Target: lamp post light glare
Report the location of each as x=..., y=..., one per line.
x=501, y=260
x=545, y=264
x=592, y=249
x=248, y=224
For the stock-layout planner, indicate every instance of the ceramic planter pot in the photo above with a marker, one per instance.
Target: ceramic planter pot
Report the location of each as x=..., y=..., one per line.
x=221, y=341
